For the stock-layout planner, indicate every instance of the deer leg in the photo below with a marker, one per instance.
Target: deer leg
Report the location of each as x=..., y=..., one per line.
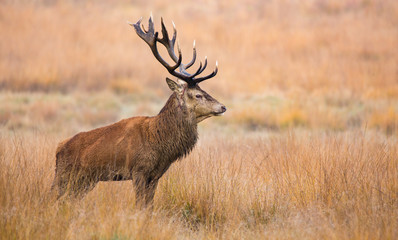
x=145, y=190
x=150, y=193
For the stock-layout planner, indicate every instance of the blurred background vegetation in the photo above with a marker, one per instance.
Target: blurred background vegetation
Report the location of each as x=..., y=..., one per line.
x=312, y=64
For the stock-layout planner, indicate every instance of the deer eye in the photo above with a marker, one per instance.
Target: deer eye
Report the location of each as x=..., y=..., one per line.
x=198, y=96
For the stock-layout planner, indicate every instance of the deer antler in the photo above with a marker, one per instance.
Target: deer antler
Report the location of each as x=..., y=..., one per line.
x=151, y=38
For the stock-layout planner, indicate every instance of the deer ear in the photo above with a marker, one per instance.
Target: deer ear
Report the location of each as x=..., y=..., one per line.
x=175, y=87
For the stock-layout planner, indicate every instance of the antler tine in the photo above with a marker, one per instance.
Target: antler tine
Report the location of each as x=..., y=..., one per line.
x=169, y=44
x=204, y=66
x=197, y=71
x=193, y=57
x=200, y=69
x=173, y=40
x=198, y=80
x=151, y=28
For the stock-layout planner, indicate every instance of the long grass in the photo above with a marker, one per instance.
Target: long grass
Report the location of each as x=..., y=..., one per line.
x=291, y=185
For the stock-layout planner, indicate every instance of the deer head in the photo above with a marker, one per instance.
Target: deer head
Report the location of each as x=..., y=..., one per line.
x=186, y=88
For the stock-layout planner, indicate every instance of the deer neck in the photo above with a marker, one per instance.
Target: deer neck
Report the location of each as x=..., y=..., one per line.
x=175, y=110
x=176, y=127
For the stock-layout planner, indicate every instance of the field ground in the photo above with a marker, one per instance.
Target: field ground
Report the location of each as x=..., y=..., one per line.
x=308, y=148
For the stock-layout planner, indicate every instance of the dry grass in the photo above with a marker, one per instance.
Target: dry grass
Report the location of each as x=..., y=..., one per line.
x=291, y=185
x=307, y=149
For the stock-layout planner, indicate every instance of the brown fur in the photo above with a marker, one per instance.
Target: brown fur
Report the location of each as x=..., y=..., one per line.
x=139, y=148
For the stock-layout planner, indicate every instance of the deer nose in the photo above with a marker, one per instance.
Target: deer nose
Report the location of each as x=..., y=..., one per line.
x=223, y=109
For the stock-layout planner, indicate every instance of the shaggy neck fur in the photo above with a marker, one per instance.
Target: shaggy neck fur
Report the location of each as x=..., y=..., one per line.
x=175, y=130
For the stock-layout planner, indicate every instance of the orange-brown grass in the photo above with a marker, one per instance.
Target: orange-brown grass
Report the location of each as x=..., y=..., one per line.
x=293, y=185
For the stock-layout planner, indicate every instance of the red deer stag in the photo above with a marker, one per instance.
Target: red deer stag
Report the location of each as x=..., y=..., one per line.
x=140, y=148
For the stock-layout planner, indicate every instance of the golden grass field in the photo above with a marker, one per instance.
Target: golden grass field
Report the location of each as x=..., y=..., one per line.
x=308, y=148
